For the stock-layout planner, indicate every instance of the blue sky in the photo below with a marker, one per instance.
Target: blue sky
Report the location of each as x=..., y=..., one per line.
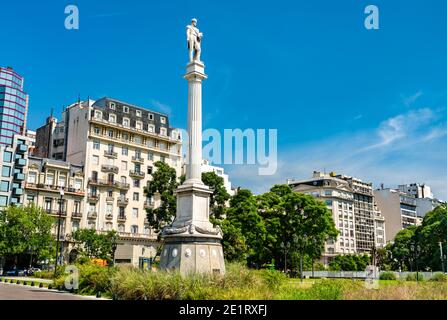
x=360, y=102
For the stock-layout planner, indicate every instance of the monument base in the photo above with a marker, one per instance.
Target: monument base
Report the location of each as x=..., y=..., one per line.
x=193, y=254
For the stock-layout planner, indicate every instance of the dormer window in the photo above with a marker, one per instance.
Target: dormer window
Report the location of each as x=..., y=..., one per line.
x=138, y=113
x=98, y=114
x=163, y=120
x=163, y=131
x=125, y=109
x=151, y=128
x=112, y=118
x=112, y=105
x=126, y=122
x=139, y=125
x=151, y=116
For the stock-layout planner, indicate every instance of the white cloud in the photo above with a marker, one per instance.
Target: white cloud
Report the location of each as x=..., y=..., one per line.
x=410, y=100
x=403, y=149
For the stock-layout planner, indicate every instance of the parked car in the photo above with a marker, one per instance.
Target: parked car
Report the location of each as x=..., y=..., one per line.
x=15, y=273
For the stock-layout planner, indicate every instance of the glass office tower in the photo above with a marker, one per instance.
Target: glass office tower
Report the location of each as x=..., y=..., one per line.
x=13, y=105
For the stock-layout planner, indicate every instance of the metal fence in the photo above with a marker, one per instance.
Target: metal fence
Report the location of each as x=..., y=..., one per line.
x=360, y=274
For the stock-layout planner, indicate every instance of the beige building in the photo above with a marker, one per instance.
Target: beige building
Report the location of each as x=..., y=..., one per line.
x=353, y=209
x=117, y=144
x=45, y=178
x=399, y=209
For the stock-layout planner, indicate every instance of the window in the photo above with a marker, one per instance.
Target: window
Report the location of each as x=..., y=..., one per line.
x=74, y=225
x=121, y=228
x=109, y=226
x=163, y=145
x=123, y=180
x=138, y=140
x=329, y=203
x=112, y=105
x=50, y=180
x=151, y=116
x=62, y=181
x=110, y=133
x=4, y=186
x=6, y=171
x=98, y=114
x=163, y=120
x=134, y=212
x=126, y=122
x=150, y=143
x=150, y=156
x=134, y=229
x=78, y=184
x=124, y=165
x=150, y=128
x=7, y=156
x=97, y=130
x=109, y=209
x=125, y=151
x=96, y=145
x=328, y=192
x=3, y=201
x=125, y=109
x=162, y=158
x=136, y=183
x=91, y=225
x=137, y=167
x=149, y=170
x=136, y=196
x=92, y=208
x=122, y=212
x=95, y=160
x=163, y=131
x=147, y=230
x=77, y=206
x=138, y=113
x=112, y=118
x=110, y=148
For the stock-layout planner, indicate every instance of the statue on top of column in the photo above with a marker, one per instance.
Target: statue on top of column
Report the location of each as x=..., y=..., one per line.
x=194, y=37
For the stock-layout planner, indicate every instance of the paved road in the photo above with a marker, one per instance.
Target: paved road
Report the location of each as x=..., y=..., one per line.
x=21, y=292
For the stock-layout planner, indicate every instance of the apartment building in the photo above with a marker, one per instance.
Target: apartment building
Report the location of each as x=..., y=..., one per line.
x=219, y=171
x=13, y=162
x=425, y=200
x=59, y=188
x=117, y=144
x=399, y=209
x=355, y=212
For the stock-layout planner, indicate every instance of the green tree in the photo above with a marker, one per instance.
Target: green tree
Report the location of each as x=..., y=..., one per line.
x=401, y=248
x=25, y=230
x=350, y=262
x=164, y=183
x=219, y=197
x=93, y=245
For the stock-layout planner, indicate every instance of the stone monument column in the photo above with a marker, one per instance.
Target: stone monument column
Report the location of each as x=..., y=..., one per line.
x=192, y=244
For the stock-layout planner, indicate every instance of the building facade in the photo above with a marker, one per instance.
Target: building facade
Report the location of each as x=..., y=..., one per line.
x=13, y=162
x=13, y=106
x=354, y=211
x=398, y=208
x=117, y=144
x=207, y=167
x=425, y=201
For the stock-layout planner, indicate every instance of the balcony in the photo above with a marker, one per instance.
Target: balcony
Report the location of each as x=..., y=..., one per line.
x=122, y=218
x=136, y=235
x=17, y=191
x=109, y=216
x=110, y=154
x=54, y=188
x=109, y=169
x=148, y=205
x=93, y=197
x=107, y=183
x=76, y=215
x=19, y=177
x=21, y=162
x=138, y=160
x=22, y=148
x=92, y=215
x=122, y=202
x=137, y=174
x=52, y=212
x=110, y=199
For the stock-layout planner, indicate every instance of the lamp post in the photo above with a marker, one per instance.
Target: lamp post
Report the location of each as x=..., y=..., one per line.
x=442, y=257
x=61, y=191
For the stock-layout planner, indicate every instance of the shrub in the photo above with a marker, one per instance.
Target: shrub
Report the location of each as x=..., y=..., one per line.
x=439, y=277
x=273, y=279
x=388, y=276
x=413, y=277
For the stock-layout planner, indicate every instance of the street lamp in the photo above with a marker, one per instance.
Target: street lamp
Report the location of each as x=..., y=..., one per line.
x=442, y=256
x=61, y=192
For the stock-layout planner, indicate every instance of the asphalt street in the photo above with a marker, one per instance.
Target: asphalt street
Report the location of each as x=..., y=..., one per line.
x=20, y=292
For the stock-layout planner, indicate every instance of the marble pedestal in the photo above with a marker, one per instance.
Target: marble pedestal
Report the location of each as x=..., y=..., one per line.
x=192, y=244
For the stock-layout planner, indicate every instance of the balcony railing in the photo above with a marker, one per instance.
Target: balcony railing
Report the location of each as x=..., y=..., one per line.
x=109, y=168
x=107, y=183
x=148, y=205
x=137, y=174
x=76, y=215
x=92, y=215
x=52, y=212
x=138, y=160
x=93, y=197
x=123, y=202
x=109, y=216
x=110, y=199
x=53, y=188
x=122, y=218
x=136, y=235
x=110, y=154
